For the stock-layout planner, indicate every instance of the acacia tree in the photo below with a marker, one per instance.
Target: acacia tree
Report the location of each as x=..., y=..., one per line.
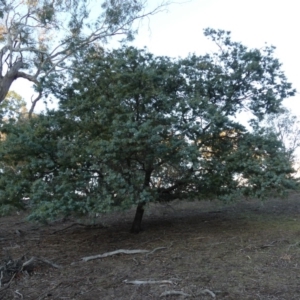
x=133, y=128
x=38, y=37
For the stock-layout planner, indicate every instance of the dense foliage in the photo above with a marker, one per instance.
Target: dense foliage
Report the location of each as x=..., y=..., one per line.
x=133, y=128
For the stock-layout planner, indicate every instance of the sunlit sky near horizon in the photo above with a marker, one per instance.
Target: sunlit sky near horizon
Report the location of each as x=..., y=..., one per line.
x=179, y=31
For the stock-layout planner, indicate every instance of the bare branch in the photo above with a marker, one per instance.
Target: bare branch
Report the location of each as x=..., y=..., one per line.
x=28, y=77
x=33, y=104
x=24, y=29
x=121, y=251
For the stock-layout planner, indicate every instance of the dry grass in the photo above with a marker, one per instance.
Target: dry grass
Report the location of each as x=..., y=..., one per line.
x=247, y=250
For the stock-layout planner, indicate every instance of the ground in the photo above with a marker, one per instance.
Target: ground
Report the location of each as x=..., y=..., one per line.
x=206, y=250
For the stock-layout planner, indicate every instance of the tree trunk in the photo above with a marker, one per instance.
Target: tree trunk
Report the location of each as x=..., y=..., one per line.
x=7, y=80
x=136, y=225
x=5, y=85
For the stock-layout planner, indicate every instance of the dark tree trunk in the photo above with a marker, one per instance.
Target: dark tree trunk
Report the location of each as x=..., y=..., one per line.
x=5, y=84
x=7, y=80
x=136, y=225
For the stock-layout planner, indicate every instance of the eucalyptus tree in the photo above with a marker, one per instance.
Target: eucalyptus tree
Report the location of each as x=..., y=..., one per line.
x=286, y=126
x=133, y=128
x=38, y=37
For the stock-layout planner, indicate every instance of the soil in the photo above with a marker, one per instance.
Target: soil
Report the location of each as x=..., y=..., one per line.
x=204, y=250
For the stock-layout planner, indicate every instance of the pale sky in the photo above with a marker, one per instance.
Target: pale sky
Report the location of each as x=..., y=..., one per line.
x=179, y=31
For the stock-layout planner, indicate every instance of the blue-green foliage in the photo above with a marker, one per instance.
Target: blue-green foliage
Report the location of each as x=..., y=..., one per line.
x=133, y=127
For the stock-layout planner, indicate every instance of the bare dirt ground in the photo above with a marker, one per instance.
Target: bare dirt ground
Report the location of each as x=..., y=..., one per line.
x=204, y=250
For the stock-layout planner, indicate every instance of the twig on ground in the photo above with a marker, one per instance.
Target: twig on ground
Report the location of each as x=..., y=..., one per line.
x=170, y=293
x=136, y=262
x=8, y=284
x=269, y=245
x=59, y=230
x=207, y=291
x=79, y=224
x=46, y=261
x=156, y=249
x=140, y=282
x=293, y=245
x=10, y=269
x=18, y=293
x=87, y=258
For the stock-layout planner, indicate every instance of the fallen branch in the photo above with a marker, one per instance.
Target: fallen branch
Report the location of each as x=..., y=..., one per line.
x=156, y=249
x=29, y=262
x=293, y=245
x=170, y=293
x=140, y=282
x=207, y=291
x=79, y=224
x=18, y=293
x=10, y=268
x=121, y=251
x=269, y=245
x=8, y=284
x=59, y=230
x=87, y=258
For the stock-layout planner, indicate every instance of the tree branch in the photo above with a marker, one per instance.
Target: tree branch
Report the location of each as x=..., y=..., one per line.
x=27, y=76
x=34, y=102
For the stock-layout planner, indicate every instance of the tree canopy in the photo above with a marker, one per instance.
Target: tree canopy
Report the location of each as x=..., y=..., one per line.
x=39, y=37
x=133, y=128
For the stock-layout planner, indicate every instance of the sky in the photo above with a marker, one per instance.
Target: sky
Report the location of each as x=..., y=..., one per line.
x=179, y=31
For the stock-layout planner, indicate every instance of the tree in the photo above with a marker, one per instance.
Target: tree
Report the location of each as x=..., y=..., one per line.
x=287, y=127
x=39, y=37
x=12, y=109
x=13, y=106
x=133, y=128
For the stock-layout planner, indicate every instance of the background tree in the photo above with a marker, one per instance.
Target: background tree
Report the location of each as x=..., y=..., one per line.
x=133, y=128
x=39, y=36
x=13, y=106
x=287, y=127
